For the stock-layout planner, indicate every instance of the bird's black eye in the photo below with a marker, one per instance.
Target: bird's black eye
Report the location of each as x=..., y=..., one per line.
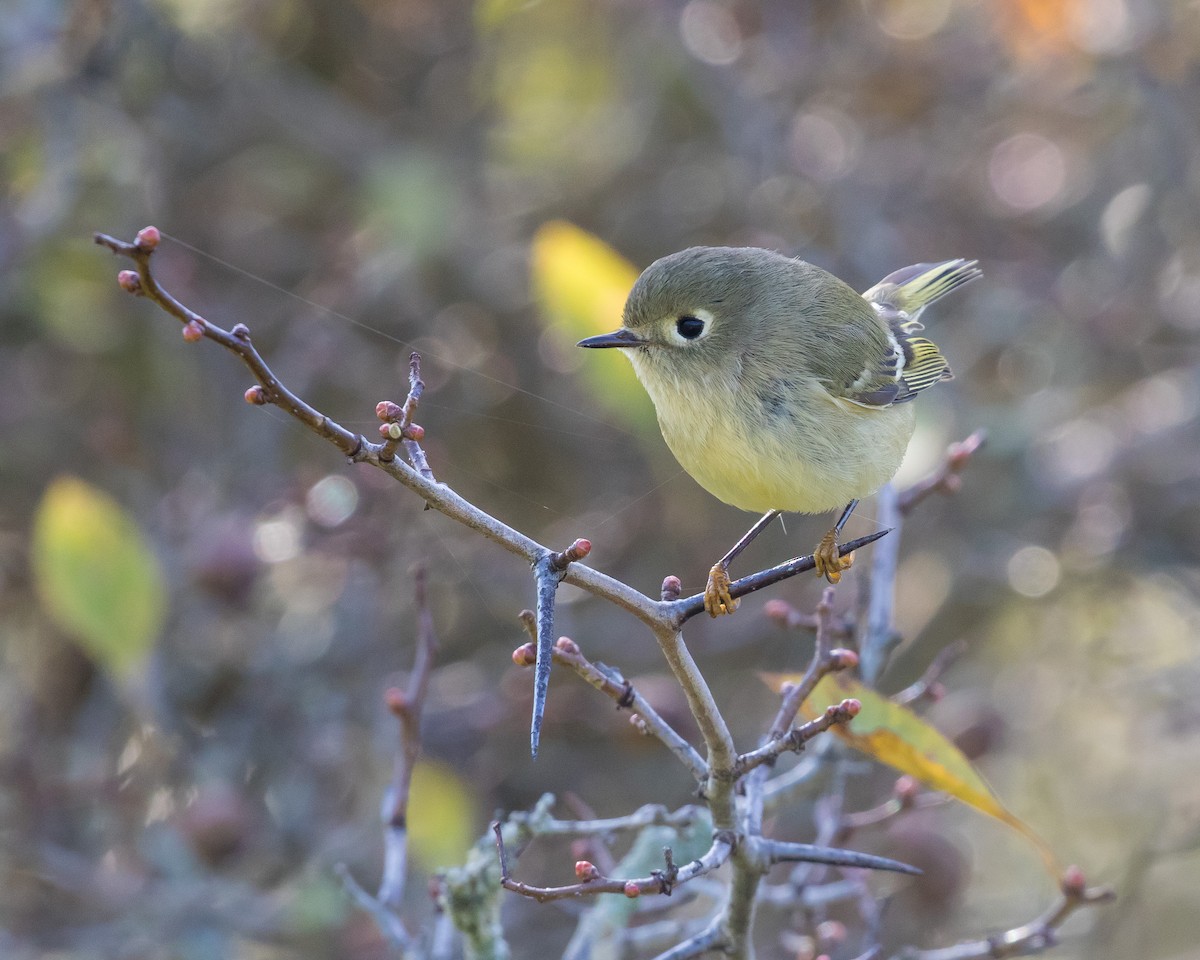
x=689, y=327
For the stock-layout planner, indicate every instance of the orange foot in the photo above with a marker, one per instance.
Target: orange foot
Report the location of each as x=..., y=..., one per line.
x=717, y=600
x=829, y=564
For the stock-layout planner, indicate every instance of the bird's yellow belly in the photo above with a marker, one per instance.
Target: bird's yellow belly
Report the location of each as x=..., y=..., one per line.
x=764, y=460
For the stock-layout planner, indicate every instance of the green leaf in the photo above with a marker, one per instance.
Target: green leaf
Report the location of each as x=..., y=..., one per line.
x=96, y=575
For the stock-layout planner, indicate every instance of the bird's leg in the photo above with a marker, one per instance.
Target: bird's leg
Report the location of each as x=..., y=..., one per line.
x=716, y=594
x=829, y=563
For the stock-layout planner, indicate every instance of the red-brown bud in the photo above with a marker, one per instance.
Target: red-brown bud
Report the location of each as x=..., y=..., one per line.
x=585, y=870
x=843, y=659
x=129, y=281
x=672, y=588
x=396, y=700
x=193, y=332
x=147, y=238
x=778, y=610
x=256, y=395
x=567, y=645
x=1074, y=883
x=851, y=707
x=415, y=432
x=385, y=410
x=632, y=890
x=525, y=655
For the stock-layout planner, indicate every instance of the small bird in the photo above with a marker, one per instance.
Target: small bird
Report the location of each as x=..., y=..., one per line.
x=777, y=386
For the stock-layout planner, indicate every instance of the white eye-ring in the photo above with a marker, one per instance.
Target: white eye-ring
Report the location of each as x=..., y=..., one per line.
x=691, y=326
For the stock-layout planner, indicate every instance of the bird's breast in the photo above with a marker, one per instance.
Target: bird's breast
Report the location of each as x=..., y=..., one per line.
x=782, y=443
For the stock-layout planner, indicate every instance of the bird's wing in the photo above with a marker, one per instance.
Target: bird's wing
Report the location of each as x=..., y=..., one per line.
x=906, y=366
x=907, y=363
x=910, y=290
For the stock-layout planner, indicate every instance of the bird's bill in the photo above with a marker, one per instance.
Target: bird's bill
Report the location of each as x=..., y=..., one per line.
x=618, y=338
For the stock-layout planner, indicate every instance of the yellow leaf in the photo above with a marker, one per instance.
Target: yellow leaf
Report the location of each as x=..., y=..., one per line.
x=442, y=819
x=580, y=284
x=96, y=576
x=893, y=734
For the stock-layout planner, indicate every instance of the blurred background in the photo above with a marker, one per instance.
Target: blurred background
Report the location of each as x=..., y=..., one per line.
x=187, y=753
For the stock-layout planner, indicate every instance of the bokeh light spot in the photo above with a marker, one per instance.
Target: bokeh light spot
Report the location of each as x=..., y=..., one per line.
x=332, y=500
x=1101, y=26
x=1179, y=289
x=1163, y=401
x=710, y=33
x=824, y=144
x=1033, y=571
x=1121, y=215
x=1027, y=171
x=277, y=538
x=1079, y=449
x=911, y=19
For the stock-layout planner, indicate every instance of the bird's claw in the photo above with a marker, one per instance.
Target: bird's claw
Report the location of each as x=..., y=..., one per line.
x=717, y=599
x=828, y=562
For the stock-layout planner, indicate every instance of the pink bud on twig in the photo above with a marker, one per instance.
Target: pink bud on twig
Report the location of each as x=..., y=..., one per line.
x=147, y=239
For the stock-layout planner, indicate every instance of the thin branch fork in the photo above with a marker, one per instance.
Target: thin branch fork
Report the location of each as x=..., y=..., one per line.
x=905, y=796
x=825, y=660
x=623, y=693
x=945, y=479
x=928, y=684
x=793, y=740
x=592, y=883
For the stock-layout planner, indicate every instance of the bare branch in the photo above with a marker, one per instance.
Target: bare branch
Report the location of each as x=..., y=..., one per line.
x=610, y=682
x=795, y=738
x=879, y=637
x=711, y=939
x=683, y=610
x=945, y=479
x=927, y=683
x=650, y=815
x=825, y=660
x=406, y=706
x=389, y=924
x=591, y=882
x=905, y=796
x=438, y=496
x=1034, y=937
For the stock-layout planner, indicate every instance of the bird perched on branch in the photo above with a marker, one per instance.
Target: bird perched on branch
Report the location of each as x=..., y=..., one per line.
x=777, y=386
